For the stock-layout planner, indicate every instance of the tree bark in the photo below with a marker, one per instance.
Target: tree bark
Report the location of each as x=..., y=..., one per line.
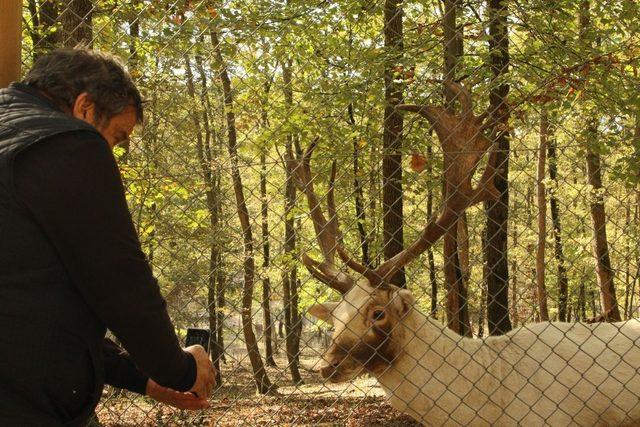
x=392, y=196
x=542, y=216
x=430, y=258
x=455, y=242
x=598, y=215
x=358, y=193
x=204, y=159
x=289, y=276
x=498, y=211
x=260, y=377
x=266, y=256
x=563, y=280
x=77, y=23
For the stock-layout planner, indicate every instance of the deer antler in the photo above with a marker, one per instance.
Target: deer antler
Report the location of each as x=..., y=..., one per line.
x=463, y=145
x=327, y=231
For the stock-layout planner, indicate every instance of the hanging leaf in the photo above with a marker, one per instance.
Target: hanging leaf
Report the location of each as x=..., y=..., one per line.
x=418, y=162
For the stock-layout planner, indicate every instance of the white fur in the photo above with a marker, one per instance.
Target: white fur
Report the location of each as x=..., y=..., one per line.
x=557, y=374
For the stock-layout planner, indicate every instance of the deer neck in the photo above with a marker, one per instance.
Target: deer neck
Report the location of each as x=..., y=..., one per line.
x=425, y=346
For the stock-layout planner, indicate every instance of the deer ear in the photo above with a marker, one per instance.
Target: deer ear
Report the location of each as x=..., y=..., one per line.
x=404, y=301
x=323, y=311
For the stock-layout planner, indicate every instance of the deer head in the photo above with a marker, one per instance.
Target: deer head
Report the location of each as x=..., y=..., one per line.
x=368, y=318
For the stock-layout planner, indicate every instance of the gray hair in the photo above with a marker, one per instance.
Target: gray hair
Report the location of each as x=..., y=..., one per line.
x=66, y=73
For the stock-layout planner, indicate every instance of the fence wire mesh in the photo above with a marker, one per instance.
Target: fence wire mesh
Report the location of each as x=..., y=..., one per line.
x=237, y=91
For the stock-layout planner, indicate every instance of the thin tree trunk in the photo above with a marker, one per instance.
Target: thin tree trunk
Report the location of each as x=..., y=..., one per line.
x=498, y=211
x=77, y=23
x=260, y=377
x=203, y=152
x=563, y=281
x=266, y=257
x=514, y=279
x=542, y=217
x=430, y=259
x=598, y=215
x=392, y=196
x=358, y=193
x=455, y=242
x=289, y=276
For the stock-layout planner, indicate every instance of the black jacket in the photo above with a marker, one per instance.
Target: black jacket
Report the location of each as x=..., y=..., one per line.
x=70, y=266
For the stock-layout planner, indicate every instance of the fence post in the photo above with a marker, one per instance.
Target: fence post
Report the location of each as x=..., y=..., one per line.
x=10, y=22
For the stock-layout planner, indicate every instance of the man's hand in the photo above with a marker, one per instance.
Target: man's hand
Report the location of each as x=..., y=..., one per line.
x=175, y=398
x=205, y=374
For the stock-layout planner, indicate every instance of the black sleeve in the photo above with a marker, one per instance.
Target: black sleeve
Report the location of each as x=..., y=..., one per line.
x=119, y=369
x=72, y=187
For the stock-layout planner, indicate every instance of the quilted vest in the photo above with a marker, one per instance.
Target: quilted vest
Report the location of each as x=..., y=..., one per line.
x=51, y=367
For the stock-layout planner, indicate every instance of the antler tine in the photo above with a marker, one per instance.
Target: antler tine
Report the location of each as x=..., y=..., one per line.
x=463, y=96
x=328, y=275
x=463, y=145
x=327, y=232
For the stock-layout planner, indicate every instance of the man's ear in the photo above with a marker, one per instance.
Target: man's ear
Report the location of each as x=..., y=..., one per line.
x=323, y=311
x=404, y=301
x=84, y=108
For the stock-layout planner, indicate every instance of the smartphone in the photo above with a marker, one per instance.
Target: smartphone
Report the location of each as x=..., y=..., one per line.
x=198, y=336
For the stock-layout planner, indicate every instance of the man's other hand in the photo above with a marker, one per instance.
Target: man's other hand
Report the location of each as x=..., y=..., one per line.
x=206, y=373
x=175, y=398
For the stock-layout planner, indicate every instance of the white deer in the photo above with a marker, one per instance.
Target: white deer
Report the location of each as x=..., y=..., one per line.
x=547, y=373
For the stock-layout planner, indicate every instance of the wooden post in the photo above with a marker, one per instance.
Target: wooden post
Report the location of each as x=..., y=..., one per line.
x=11, y=25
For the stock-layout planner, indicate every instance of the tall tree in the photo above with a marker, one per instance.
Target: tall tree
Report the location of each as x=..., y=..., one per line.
x=604, y=271
x=260, y=377
x=456, y=242
x=203, y=150
x=266, y=244
x=563, y=281
x=542, y=216
x=292, y=318
x=392, y=197
x=498, y=211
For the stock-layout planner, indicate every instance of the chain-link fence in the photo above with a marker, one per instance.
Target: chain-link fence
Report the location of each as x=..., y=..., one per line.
x=251, y=102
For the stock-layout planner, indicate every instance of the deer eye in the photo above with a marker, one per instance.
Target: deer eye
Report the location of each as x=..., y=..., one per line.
x=378, y=315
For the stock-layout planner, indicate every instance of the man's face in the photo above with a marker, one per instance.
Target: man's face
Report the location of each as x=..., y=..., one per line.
x=115, y=131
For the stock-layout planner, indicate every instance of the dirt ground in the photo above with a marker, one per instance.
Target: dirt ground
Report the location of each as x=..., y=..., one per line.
x=235, y=403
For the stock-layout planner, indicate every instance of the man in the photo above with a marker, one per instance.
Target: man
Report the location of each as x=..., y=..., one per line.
x=71, y=265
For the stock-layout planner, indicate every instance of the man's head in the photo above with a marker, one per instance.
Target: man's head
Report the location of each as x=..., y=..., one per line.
x=91, y=86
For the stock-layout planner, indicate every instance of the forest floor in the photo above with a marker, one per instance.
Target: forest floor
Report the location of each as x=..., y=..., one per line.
x=235, y=403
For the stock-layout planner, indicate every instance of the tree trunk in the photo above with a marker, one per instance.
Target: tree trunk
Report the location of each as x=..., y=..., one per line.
x=77, y=23
x=289, y=276
x=542, y=217
x=266, y=256
x=392, y=196
x=600, y=243
x=563, y=281
x=455, y=242
x=598, y=215
x=498, y=211
x=204, y=159
x=260, y=377
x=358, y=193
x=430, y=259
